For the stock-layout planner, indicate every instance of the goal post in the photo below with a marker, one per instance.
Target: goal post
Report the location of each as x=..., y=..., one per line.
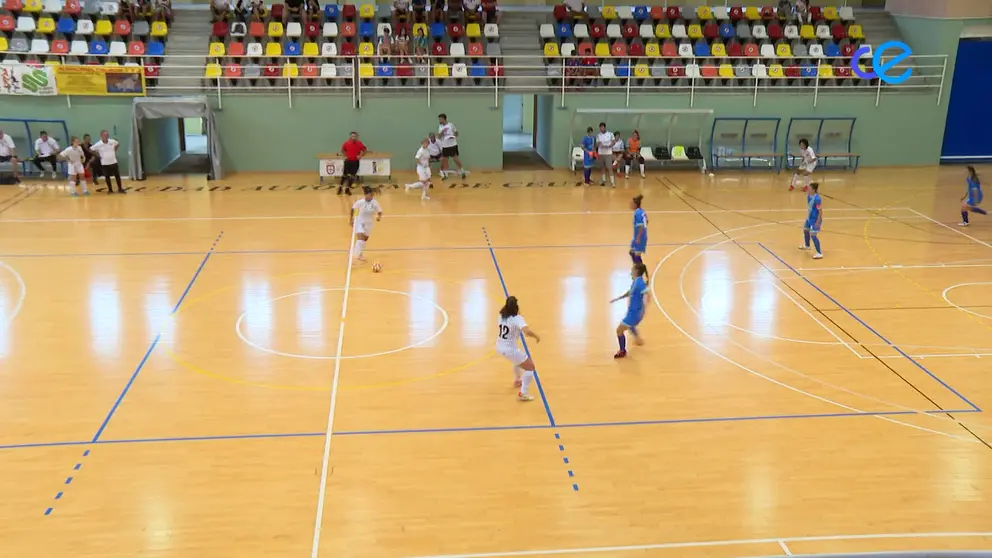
x=670, y=137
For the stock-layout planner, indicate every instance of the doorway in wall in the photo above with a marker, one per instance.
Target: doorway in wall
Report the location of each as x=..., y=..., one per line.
x=191, y=157
x=520, y=132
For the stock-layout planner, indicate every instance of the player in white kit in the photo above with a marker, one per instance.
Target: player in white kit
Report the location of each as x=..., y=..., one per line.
x=806, y=165
x=363, y=213
x=423, y=158
x=511, y=326
x=74, y=156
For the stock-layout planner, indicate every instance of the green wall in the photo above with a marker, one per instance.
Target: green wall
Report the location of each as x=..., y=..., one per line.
x=159, y=143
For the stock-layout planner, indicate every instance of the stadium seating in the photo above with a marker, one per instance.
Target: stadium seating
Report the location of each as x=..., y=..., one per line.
x=715, y=45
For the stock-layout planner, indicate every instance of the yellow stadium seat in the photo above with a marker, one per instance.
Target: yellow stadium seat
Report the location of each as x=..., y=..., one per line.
x=366, y=11
x=718, y=49
x=290, y=70
x=46, y=25
x=551, y=49
x=419, y=29
x=726, y=71
x=783, y=51
x=213, y=71
x=807, y=32
x=159, y=29
x=103, y=27
x=609, y=12
x=53, y=63
x=652, y=49
x=825, y=71
x=695, y=31
x=32, y=6
x=473, y=31
x=663, y=31
x=704, y=12
x=752, y=12
x=642, y=71
x=112, y=63
x=311, y=50
x=830, y=12
x=217, y=49
x=441, y=70
x=3, y=43
x=275, y=29
x=273, y=49
x=776, y=71
x=855, y=32
x=602, y=49
x=366, y=49
x=366, y=70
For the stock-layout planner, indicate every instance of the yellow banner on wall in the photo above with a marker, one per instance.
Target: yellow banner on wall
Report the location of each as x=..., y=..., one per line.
x=113, y=81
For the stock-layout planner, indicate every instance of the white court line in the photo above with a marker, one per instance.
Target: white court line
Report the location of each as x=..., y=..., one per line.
x=950, y=228
x=322, y=492
x=963, y=309
x=883, y=267
x=7, y=320
x=785, y=548
x=422, y=215
x=703, y=544
x=938, y=355
x=815, y=319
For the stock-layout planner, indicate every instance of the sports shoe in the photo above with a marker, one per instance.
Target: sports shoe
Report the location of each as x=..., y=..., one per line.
x=86, y=192
x=817, y=256
x=524, y=397
x=339, y=190
x=804, y=247
x=620, y=354
x=963, y=224
x=75, y=195
x=54, y=175
x=347, y=191
x=791, y=187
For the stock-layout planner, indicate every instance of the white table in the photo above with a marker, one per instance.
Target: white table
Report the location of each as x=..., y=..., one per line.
x=331, y=165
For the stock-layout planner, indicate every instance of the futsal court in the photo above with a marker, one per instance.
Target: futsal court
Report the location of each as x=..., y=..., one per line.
x=172, y=359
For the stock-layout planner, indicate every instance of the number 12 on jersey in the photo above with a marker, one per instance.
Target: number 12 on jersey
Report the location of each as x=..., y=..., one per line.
x=504, y=331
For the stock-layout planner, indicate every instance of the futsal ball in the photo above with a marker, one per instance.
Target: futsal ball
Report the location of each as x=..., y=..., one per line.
x=376, y=267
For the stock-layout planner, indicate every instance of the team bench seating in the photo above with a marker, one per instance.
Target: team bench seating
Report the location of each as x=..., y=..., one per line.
x=850, y=161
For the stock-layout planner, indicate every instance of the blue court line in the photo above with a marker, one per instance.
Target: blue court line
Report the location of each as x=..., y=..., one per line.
x=869, y=328
x=506, y=293
x=476, y=428
x=337, y=250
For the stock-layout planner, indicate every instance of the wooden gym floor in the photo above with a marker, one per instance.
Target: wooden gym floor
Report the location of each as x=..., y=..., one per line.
x=169, y=361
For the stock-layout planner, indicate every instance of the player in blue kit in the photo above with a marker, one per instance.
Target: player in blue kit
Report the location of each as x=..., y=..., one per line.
x=639, y=241
x=814, y=220
x=973, y=198
x=588, y=155
x=637, y=303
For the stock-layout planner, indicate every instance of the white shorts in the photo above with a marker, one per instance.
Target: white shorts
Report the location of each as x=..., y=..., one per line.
x=512, y=354
x=76, y=168
x=423, y=173
x=807, y=167
x=363, y=227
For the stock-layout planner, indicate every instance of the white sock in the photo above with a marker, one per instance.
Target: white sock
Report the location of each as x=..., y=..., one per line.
x=359, y=248
x=795, y=178
x=642, y=168
x=423, y=191
x=626, y=170
x=72, y=185
x=413, y=185
x=83, y=184
x=525, y=381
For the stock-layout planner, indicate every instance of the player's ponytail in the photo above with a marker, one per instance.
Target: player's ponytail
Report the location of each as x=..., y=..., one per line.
x=509, y=309
x=637, y=200
x=815, y=186
x=640, y=269
x=973, y=175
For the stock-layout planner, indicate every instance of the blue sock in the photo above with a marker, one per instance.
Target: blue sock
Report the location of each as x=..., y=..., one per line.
x=806, y=237
x=622, y=339
x=587, y=174
x=635, y=258
x=816, y=244
x=964, y=216
x=979, y=210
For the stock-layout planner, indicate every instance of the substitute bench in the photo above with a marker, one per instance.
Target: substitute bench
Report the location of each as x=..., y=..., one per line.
x=331, y=165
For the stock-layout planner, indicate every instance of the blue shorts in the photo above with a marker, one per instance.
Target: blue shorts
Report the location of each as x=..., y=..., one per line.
x=813, y=227
x=632, y=319
x=638, y=248
x=973, y=202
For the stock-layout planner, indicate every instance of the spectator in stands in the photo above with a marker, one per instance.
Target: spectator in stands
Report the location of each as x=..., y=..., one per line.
x=46, y=150
x=784, y=9
x=471, y=9
x=401, y=44
x=576, y=8
x=419, y=7
x=220, y=10
x=489, y=8
x=258, y=10
x=293, y=9
x=420, y=44
x=163, y=10
x=401, y=10
x=125, y=10
x=455, y=10
x=437, y=6
x=241, y=12
x=384, y=46
x=143, y=9
x=802, y=12
x=8, y=154
x=313, y=10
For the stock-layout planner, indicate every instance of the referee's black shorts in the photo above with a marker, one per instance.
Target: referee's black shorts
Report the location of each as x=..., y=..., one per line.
x=351, y=168
x=449, y=151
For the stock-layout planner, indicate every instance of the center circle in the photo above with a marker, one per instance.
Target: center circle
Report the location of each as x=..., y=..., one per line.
x=250, y=343
x=947, y=298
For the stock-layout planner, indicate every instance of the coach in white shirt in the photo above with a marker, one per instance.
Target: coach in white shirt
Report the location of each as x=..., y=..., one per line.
x=605, y=140
x=106, y=150
x=449, y=145
x=8, y=154
x=46, y=150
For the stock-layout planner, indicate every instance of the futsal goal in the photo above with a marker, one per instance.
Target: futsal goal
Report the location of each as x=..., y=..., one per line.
x=669, y=137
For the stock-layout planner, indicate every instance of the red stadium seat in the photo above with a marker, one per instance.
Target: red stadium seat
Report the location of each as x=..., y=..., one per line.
x=7, y=23
x=734, y=49
x=636, y=49
x=673, y=13
x=476, y=49
x=401, y=26
x=404, y=69
x=847, y=50
x=232, y=70
x=122, y=28
x=775, y=31
x=72, y=7
x=838, y=31
x=597, y=31
x=348, y=11
x=793, y=71
x=455, y=30
x=815, y=13
x=151, y=71
x=237, y=48
x=220, y=29
x=657, y=13
x=751, y=49
x=676, y=70
x=669, y=49
x=348, y=29
x=708, y=71
x=347, y=49
x=277, y=11
x=310, y=71
x=842, y=71
x=585, y=49
x=495, y=70
x=256, y=29
x=629, y=31
x=767, y=12
x=711, y=30
x=619, y=48
x=13, y=6
x=439, y=49
x=736, y=13
x=560, y=12
x=311, y=29
x=136, y=48
x=59, y=46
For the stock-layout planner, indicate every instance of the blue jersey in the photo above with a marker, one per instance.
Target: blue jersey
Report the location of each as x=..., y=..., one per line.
x=588, y=146
x=814, y=202
x=635, y=305
x=640, y=243
x=974, y=192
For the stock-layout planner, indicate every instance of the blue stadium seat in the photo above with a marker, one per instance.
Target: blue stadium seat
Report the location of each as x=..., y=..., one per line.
x=727, y=31
x=702, y=49
x=155, y=48
x=366, y=29
x=623, y=69
x=477, y=70
x=809, y=71
x=564, y=31
x=66, y=25
x=331, y=12
x=437, y=30
x=291, y=49
x=98, y=46
x=831, y=50
x=384, y=70
x=641, y=13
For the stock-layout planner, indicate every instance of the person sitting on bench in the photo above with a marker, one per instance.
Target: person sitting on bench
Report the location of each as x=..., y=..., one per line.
x=8, y=154
x=46, y=150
